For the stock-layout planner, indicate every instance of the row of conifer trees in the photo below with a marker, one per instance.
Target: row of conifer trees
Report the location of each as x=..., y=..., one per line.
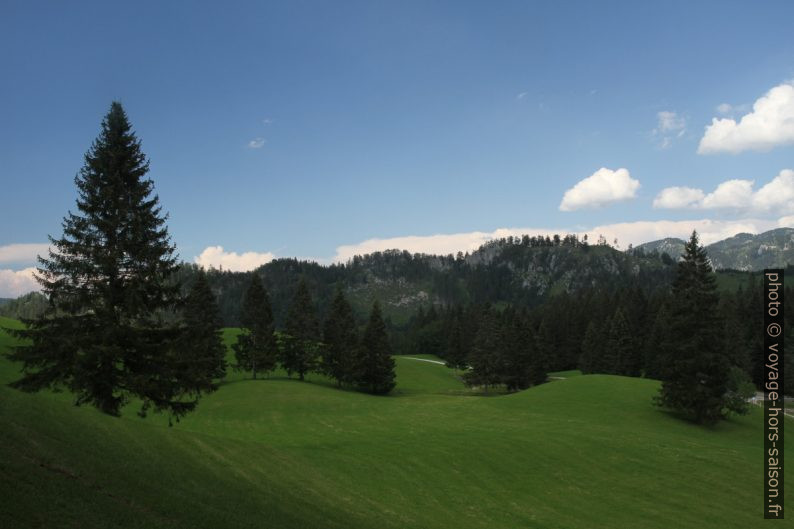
x=336, y=350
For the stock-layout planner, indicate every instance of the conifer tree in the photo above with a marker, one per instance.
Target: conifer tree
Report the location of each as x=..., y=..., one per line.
x=456, y=352
x=593, y=348
x=107, y=280
x=485, y=357
x=544, y=353
x=696, y=370
x=657, y=344
x=256, y=349
x=624, y=355
x=300, y=345
x=374, y=364
x=203, y=355
x=340, y=341
x=518, y=351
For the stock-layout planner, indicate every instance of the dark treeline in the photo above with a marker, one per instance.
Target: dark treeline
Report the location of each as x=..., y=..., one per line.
x=621, y=331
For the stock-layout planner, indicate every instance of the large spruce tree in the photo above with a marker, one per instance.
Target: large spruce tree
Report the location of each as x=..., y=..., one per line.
x=340, y=339
x=374, y=364
x=455, y=354
x=593, y=349
x=202, y=352
x=300, y=342
x=107, y=280
x=695, y=369
x=485, y=358
x=517, y=354
x=256, y=350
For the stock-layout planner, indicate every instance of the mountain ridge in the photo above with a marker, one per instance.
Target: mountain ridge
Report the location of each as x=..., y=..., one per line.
x=744, y=251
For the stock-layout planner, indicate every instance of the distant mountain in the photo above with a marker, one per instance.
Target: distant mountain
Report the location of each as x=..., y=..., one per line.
x=744, y=251
x=3, y=301
x=771, y=249
x=671, y=246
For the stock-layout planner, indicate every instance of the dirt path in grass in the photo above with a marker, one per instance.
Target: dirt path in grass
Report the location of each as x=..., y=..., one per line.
x=424, y=360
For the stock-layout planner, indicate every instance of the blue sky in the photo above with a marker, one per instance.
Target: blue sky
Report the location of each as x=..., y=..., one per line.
x=322, y=129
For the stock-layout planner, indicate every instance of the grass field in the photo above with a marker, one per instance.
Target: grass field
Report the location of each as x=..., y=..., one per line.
x=584, y=452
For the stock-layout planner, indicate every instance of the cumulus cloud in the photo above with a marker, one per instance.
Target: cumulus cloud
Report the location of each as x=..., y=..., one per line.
x=731, y=194
x=15, y=283
x=256, y=143
x=22, y=253
x=678, y=198
x=776, y=197
x=603, y=187
x=770, y=124
x=626, y=233
x=217, y=257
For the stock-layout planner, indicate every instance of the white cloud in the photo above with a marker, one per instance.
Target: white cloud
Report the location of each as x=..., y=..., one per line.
x=522, y=95
x=709, y=230
x=670, y=121
x=770, y=124
x=626, y=233
x=726, y=109
x=786, y=222
x=440, y=244
x=775, y=197
x=217, y=257
x=734, y=194
x=14, y=283
x=599, y=189
x=256, y=143
x=669, y=125
x=678, y=198
x=22, y=253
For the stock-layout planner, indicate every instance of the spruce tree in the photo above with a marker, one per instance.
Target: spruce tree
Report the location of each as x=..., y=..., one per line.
x=203, y=354
x=340, y=341
x=455, y=354
x=657, y=344
x=256, y=349
x=300, y=342
x=107, y=280
x=593, y=348
x=485, y=357
x=625, y=356
x=374, y=364
x=544, y=353
x=517, y=354
x=696, y=370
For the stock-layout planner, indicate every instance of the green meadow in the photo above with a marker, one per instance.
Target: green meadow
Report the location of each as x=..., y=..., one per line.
x=580, y=452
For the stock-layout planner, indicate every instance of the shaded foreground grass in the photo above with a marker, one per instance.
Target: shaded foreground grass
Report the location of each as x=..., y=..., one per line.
x=588, y=451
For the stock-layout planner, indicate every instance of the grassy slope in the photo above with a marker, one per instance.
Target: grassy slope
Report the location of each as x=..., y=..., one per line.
x=589, y=451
